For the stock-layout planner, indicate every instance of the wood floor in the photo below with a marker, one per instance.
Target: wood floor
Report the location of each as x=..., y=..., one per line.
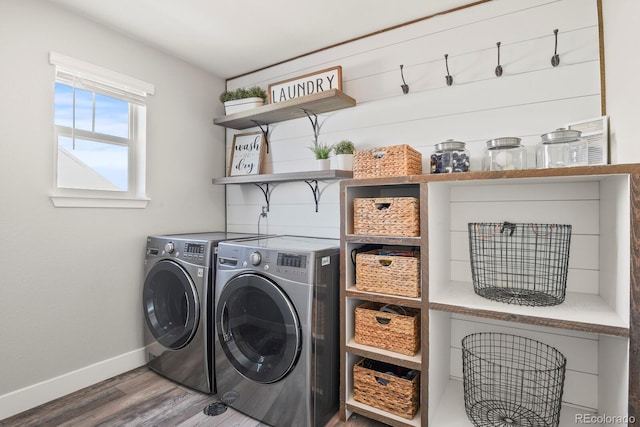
x=140, y=398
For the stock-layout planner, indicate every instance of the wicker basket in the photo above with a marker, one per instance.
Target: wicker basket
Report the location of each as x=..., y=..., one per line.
x=387, y=387
x=395, y=275
x=396, y=160
x=387, y=216
x=392, y=328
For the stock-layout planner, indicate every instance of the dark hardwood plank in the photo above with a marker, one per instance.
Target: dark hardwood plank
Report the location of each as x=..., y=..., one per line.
x=70, y=406
x=141, y=398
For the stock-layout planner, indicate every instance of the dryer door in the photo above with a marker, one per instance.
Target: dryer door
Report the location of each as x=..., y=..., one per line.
x=258, y=328
x=171, y=306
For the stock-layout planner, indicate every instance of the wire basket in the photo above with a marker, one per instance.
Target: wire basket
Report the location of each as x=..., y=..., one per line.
x=523, y=264
x=511, y=380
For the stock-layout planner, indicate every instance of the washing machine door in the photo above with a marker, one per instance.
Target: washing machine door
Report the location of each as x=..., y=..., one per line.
x=258, y=328
x=171, y=305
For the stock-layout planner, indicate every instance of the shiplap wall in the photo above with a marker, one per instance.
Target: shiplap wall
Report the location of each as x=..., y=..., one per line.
x=585, y=205
x=530, y=98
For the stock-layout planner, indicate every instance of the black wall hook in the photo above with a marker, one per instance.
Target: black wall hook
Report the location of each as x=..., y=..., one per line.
x=405, y=86
x=499, y=67
x=448, y=77
x=555, y=59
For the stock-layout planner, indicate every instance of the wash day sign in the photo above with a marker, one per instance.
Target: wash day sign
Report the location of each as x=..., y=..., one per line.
x=308, y=84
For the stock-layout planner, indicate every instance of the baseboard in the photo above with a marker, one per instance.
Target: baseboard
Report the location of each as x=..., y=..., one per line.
x=29, y=397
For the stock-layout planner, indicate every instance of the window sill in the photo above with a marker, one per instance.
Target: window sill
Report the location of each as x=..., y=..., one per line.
x=98, y=202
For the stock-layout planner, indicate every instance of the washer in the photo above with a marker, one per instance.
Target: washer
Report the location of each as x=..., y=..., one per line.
x=276, y=326
x=177, y=305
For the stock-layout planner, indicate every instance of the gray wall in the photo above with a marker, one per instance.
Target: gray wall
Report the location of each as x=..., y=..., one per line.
x=70, y=278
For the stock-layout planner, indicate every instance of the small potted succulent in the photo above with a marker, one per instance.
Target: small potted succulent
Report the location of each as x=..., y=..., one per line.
x=322, y=152
x=243, y=99
x=343, y=155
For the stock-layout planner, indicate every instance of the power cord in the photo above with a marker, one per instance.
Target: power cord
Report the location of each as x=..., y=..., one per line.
x=263, y=214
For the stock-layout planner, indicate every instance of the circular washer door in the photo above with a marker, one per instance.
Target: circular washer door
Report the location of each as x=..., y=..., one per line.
x=258, y=328
x=171, y=306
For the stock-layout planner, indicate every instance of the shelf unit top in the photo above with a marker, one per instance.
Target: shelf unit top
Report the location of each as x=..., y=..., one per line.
x=581, y=173
x=317, y=103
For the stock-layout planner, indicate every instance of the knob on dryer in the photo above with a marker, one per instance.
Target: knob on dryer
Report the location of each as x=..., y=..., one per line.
x=255, y=258
x=169, y=247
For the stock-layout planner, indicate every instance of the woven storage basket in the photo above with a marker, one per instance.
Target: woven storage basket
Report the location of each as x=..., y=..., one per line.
x=381, y=385
x=396, y=160
x=387, y=216
x=395, y=275
x=396, y=332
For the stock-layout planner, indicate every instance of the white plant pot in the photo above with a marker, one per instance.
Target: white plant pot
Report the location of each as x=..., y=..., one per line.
x=343, y=162
x=323, y=164
x=237, y=105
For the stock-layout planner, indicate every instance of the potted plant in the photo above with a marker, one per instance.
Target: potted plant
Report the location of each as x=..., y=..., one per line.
x=243, y=99
x=321, y=151
x=344, y=155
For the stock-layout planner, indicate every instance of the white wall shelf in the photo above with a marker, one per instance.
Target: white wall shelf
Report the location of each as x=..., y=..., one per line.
x=317, y=103
x=262, y=181
x=284, y=177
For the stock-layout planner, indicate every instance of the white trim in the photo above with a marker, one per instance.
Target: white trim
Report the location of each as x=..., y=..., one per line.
x=31, y=396
x=136, y=142
x=60, y=201
x=101, y=74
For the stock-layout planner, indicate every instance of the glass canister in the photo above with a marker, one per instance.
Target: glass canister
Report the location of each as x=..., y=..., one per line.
x=450, y=156
x=504, y=154
x=560, y=148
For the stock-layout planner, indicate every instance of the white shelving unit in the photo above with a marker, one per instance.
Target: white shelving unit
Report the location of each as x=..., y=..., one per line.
x=596, y=327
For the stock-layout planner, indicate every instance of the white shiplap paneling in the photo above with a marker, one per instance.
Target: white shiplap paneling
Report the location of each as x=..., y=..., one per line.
x=531, y=97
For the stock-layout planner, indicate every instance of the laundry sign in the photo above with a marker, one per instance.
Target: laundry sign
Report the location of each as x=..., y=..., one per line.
x=308, y=84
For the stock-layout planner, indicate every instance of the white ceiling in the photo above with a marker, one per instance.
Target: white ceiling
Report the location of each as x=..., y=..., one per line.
x=232, y=37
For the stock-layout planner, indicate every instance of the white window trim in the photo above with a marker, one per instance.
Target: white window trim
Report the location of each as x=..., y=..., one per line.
x=137, y=89
x=87, y=201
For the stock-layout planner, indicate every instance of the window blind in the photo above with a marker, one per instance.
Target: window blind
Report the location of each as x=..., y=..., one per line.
x=87, y=76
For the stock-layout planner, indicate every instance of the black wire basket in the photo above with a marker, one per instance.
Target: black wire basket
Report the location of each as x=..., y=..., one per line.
x=520, y=263
x=511, y=381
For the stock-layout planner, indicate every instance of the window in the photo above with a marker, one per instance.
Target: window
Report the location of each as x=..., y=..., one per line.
x=100, y=128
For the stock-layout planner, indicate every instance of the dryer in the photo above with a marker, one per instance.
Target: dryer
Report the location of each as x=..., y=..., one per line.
x=177, y=300
x=276, y=326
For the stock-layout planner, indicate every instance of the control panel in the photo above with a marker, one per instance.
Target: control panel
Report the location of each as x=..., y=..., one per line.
x=192, y=252
x=289, y=265
x=292, y=260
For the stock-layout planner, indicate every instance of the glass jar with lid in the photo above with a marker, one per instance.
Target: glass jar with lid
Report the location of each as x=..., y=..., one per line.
x=505, y=153
x=562, y=147
x=450, y=156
